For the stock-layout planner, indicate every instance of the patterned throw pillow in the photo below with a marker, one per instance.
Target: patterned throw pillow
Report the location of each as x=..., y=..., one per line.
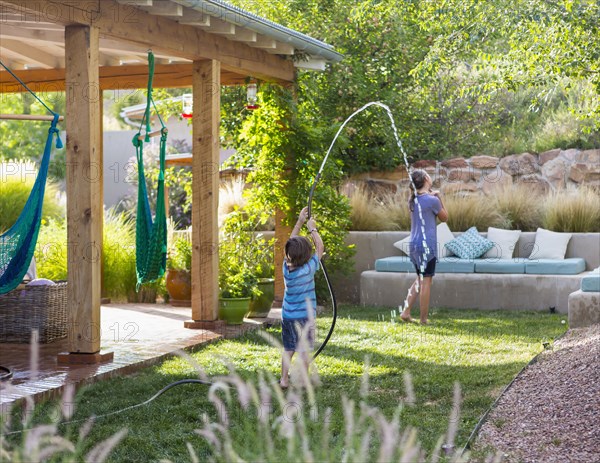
x=470, y=245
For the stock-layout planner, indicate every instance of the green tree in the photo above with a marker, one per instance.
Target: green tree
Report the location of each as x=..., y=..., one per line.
x=537, y=43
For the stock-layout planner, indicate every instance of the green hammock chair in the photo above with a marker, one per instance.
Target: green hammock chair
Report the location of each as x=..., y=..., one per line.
x=151, y=236
x=18, y=243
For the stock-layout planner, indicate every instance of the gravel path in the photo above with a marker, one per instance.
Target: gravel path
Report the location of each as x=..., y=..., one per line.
x=551, y=413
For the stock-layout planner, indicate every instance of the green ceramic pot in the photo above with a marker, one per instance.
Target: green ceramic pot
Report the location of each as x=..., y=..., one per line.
x=232, y=310
x=261, y=305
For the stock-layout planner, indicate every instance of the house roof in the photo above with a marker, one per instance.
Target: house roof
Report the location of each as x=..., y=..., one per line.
x=32, y=38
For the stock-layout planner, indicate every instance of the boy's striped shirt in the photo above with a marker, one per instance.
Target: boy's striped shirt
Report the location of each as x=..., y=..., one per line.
x=299, y=286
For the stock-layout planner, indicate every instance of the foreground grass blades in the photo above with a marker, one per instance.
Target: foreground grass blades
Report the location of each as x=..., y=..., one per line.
x=483, y=351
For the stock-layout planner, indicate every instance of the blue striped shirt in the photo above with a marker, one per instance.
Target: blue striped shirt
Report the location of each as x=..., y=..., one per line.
x=299, y=286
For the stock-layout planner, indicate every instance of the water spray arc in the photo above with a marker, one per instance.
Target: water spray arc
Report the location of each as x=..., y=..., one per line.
x=314, y=186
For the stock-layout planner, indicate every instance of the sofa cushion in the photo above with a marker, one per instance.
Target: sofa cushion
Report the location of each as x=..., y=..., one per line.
x=444, y=235
x=469, y=245
x=591, y=283
x=403, y=245
x=504, y=244
x=571, y=266
x=404, y=264
x=516, y=265
x=550, y=245
x=453, y=264
x=394, y=264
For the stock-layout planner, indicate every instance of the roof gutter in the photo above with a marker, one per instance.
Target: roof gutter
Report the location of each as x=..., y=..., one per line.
x=243, y=18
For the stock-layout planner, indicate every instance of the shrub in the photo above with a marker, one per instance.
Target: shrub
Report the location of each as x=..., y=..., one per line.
x=284, y=426
x=118, y=257
x=572, y=211
x=520, y=207
x=465, y=212
x=385, y=212
x=16, y=181
x=51, y=250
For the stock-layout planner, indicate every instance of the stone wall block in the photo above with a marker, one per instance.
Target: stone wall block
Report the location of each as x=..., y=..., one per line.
x=569, y=155
x=461, y=175
x=484, y=162
x=520, y=164
x=548, y=156
x=589, y=157
x=495, y=180
x=555, y=172
x=455, y=163
x=535, y=183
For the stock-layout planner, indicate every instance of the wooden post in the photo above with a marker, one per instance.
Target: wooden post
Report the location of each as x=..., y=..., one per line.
x=282, y=233
x=84, y=196
x=205, y=194
x=103, y=300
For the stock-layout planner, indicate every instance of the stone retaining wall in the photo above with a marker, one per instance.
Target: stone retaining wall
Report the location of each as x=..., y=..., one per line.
x=552, y=170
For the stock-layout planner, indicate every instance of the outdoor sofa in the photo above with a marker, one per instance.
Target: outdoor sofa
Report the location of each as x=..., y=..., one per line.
x=515, y=283
x=584, y=304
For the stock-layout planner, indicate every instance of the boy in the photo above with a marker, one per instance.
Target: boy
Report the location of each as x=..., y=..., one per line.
x=299, y=268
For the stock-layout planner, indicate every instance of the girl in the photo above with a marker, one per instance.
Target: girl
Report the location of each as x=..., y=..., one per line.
x=424, y=206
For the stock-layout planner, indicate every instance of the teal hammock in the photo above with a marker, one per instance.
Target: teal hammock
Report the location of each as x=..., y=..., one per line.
x=151, y=236
x=17, y=245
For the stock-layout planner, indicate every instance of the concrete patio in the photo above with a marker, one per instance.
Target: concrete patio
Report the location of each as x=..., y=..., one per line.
x=139, y=335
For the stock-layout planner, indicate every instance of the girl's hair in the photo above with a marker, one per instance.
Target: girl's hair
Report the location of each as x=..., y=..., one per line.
x=418, y=177
x=298, y=251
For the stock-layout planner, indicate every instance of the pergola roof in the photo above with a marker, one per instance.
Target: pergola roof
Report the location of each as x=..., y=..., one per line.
x=32, y=41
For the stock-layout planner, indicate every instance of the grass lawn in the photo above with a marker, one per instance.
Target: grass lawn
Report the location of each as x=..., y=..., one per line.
x=482, y=350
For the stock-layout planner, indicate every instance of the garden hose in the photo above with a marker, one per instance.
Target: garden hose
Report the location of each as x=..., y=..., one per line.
x=329, y=287
x=5, y=373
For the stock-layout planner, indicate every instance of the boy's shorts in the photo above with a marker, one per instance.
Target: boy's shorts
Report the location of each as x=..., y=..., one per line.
x=292, y=332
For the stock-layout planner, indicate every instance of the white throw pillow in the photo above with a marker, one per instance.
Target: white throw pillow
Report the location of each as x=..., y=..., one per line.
x=504, y=243
x=403, y=245
x=444, y=235
x=549, y=245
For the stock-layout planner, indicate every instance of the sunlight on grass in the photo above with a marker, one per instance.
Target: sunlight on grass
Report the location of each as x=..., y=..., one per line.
x=481, y=350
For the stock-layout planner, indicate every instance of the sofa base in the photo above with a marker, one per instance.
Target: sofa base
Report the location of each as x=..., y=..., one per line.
x=584, y=309
x=474, y=290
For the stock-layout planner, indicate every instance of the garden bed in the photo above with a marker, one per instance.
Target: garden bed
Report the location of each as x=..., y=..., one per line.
x=551, y=412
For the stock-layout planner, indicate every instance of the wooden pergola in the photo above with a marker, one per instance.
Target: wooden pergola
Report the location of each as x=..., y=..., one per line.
x=83, y=47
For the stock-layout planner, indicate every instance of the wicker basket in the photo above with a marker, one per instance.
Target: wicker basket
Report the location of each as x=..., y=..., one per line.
x=27, y=308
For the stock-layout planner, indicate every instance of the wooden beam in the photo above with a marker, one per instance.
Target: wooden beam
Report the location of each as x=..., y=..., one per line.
x=194, y=18
x=263, y=41
x=28, y=117
x=164, y=8
x=84, y=188
x=243, y=35
x=218, y=26
x=32, y=54
x=114, y=78
x=205, y=188
x=164, y=35
x=136, y=2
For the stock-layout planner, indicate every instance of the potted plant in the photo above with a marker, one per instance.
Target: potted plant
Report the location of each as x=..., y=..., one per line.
x=260, y=305
x=179, y=279
x=238, y=276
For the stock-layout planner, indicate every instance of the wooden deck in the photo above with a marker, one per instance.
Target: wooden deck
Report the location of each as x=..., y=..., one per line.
x=139, y=335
